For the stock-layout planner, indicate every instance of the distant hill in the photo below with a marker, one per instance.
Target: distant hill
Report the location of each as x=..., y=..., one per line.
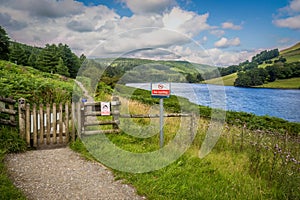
x=290, y=49
x=287, y=58
x=141, y=70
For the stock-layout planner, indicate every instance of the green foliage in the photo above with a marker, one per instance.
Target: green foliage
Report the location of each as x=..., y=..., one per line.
x=52, y=59
x=265, y=55
x=4, y=44
x=10, y=140
x=256, y=76
x=33, y=85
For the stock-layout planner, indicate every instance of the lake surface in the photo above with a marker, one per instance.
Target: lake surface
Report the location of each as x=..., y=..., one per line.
x=259, y=101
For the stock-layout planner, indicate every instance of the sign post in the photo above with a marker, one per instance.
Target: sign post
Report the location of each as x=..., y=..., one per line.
x=161, y=90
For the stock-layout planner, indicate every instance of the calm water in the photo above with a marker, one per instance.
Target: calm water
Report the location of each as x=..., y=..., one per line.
x=273, y=102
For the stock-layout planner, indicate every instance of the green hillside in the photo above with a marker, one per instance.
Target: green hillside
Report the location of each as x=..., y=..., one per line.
x=226, y=80
x=33, y=85
x=272, y=69
x=291, y=83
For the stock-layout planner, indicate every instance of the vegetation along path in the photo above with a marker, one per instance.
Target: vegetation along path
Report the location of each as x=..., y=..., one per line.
x=64, y=174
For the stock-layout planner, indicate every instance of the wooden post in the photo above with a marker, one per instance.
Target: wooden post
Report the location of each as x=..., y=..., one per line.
x=54, y=123
x=192, y=126
x=116, y=112
x=21, y=109
x=78, y=118
x=60, y=124
x=67, y=122
x=34, y=125
x=41, y=124
x=48, y=126
x=73, y=121
x=12, y=118
x=27, y=129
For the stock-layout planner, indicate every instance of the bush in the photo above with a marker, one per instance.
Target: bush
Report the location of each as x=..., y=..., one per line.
x=10, y=140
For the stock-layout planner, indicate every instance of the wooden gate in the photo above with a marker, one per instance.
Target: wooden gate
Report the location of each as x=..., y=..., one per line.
x=44, y=124
x=90, y=119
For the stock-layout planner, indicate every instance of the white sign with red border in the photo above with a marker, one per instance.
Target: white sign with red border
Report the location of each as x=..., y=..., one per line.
x=160, y=90
x=105, y=108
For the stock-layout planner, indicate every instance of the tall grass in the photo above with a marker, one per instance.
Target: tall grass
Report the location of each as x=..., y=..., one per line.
x=9, y=142
x=246, y=163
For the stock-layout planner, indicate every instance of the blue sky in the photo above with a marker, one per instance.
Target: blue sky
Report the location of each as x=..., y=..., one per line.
x=229, y=31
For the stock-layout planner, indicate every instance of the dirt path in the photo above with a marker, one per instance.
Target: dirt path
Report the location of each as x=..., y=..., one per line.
x=63, y=174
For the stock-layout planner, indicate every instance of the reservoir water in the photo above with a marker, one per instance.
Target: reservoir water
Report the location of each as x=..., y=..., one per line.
x=280, y=103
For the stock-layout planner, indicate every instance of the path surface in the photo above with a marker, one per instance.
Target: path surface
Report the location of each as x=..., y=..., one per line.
x=63, y=174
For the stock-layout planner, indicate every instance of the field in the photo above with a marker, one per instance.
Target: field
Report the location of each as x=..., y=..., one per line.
x=292, y=83
x=242, y=165
x=227, y=80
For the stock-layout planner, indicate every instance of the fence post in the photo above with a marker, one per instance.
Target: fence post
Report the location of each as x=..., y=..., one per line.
x=116, y=112
x=27, y=129
x=21, y=109
x=54, y=123
x=48, y=126
x=60, y=123
x=79, y=118
x=34, y=125
x=192, y=126
x=42, y=124
x=67, y=122
x=73, y=121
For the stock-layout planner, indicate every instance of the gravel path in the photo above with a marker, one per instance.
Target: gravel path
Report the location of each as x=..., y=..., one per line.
x=64, y=174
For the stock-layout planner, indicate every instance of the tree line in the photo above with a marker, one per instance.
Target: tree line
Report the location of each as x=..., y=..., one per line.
x=52, y=58
x=259, y=76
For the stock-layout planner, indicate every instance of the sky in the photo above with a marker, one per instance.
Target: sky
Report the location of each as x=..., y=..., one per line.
x=213, y=32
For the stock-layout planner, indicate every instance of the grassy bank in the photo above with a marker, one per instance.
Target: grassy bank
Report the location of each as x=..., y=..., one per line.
x=226, y=80
x=246, y=163
x=9, y=143
x=292, y=83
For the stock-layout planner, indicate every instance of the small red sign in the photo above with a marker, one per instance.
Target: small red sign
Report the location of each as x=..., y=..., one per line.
x=160, y=90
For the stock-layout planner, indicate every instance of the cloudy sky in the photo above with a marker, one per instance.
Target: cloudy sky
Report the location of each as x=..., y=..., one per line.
x=205, y=31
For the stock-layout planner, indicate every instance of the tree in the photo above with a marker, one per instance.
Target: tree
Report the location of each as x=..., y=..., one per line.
x=4, y=44
x=48, y=59
x=17, y=54
x=61, y=68
x=71, y=61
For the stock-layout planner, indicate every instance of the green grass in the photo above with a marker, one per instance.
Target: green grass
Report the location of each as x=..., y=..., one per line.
x=9, y=142
x=242, y=165
x=233, y=170
x=33, y=85
x=292, y=48
x=292, y=83
x=226, y=80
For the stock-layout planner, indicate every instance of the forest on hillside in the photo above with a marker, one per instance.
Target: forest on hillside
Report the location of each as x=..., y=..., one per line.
x=56, y=59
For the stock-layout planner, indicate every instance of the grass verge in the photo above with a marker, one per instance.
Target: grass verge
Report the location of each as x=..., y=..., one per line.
x=9, y=143
x=244, y=164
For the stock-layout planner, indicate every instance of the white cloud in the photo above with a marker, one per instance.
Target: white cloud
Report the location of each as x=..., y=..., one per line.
x=218, y=33
x=185, y=22
x=289, y=16
x=229, y=25
x=148, y=6
x=103, y=32
x=224, y=42
x=290, y=22
x=295, y=5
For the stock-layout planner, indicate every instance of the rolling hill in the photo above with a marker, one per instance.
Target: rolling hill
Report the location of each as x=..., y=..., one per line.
x=291, y=54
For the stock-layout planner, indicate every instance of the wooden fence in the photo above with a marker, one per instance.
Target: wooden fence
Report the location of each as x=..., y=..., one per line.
x=44, y=125
x=7, y=112
x=87, y=113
